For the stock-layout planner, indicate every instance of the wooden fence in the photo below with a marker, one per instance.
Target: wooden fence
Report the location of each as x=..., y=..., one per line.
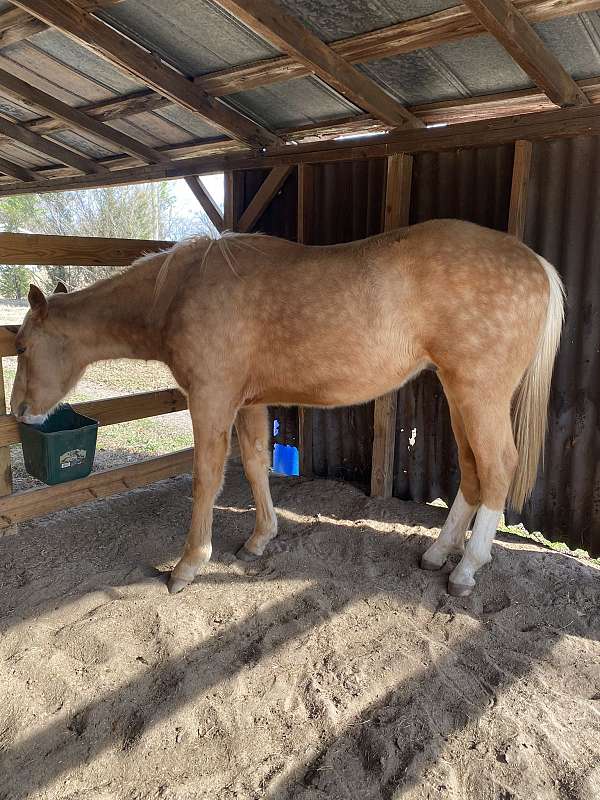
x=22, y=505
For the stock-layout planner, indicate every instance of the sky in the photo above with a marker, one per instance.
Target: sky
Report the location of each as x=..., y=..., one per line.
x=187, y=203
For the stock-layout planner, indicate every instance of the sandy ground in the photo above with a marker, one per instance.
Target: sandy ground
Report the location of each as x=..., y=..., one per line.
x=332, y=668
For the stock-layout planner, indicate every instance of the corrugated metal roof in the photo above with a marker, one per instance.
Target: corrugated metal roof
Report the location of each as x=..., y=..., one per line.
x=293, y=103
x=197, y=37
x=339, y=19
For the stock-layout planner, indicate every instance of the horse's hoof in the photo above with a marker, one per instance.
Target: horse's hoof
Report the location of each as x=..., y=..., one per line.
x=245, y=555
x=176, y=584
x=427, y=564
x=459, y=589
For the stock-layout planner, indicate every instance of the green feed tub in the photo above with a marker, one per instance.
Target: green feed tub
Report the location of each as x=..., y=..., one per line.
x=60, y=449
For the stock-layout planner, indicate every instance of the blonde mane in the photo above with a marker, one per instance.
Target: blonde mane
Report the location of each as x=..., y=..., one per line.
x=164, y=292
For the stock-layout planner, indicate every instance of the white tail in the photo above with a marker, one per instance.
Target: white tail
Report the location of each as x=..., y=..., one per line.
x=530, y=406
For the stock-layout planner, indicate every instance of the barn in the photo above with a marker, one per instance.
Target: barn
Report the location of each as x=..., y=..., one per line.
x=332, y=667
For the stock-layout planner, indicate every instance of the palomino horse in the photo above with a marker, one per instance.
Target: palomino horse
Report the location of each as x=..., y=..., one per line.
x=248, y=321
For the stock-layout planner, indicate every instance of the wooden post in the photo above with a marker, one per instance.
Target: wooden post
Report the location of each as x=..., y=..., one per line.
x=520, y=185
x=228, y=202
x=6, y=484
x=396, y=215
x=305, y=209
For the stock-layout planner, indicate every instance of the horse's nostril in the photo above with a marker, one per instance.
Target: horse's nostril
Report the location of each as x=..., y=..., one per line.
x=22, y=410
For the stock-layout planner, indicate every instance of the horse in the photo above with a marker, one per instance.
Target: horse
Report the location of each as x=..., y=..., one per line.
x=248, y=321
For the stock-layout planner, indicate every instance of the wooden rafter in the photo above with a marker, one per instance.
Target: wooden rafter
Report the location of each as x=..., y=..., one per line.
x=75, y=119
x=206, y=201
x=545, y=125
x=508, y=25
x=50, y=149
x=273, y=23
x=16, y=24
x=259, y=203
x=18, y=172
x=133, y=59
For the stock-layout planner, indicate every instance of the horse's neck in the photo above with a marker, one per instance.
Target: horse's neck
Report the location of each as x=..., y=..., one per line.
x=111, y=320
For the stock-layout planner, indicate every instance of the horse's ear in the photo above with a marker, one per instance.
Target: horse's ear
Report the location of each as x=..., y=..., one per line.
x=37, y=301
x=60, y=288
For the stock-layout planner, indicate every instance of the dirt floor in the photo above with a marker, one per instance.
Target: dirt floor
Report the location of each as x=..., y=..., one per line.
x=332, y=668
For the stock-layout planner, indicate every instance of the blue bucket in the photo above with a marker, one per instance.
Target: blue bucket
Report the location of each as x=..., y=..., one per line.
x=286, y=459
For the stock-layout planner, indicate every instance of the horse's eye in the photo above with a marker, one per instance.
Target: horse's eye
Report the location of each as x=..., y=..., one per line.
x=21, y=350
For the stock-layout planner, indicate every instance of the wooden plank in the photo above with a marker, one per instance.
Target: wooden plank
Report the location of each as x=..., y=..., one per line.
x=50, y=149
x=263, y=197
x=82, y=251
x=508, y=25
x=519, y=188
x=5, y=463
x=206, y=201
x=94, y=34
x=545, y=125
x=111, y=411
x=269, y=20
x=32, y=503
x=11, y=86
x=16, y=25
x=396, y=215
x=18, y=172
x=305, y=218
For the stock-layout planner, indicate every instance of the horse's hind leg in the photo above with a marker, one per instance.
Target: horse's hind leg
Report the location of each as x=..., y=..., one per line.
x=486, y=416
x=252, y=426
x=452, y=535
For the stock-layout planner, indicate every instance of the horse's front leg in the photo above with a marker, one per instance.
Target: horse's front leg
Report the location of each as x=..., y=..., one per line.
x=212, y=419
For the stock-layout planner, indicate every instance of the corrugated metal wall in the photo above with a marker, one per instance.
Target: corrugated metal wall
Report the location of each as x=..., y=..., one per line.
x=563, y=224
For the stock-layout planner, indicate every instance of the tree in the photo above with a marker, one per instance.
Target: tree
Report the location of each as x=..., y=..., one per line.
x=141, y=211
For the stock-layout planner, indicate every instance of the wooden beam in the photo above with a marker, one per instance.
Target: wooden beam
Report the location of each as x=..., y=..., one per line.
x=269, y=20
x=450, y=25
x=206, y=201
x=50, y=149
x=263, y=197
x=578, y=121
x=305, y=219
x=7, y=342
x=16, y=25
x=229, y=201
x=11, y=86
x=508, y=25
x=109, y=411
x=134, y=60
x=396, y=215
x=5, y=463
x=18, y=172
x=82, y=251
x=32, y=503
x=519, y=188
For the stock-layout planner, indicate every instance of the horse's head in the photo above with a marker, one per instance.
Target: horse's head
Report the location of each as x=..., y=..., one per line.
x=46, y=368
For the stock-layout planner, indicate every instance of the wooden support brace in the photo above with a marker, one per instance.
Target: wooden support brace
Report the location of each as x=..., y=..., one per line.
x=260, y=202
x=206, y=201
x=396, y=215
x=519, y=188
